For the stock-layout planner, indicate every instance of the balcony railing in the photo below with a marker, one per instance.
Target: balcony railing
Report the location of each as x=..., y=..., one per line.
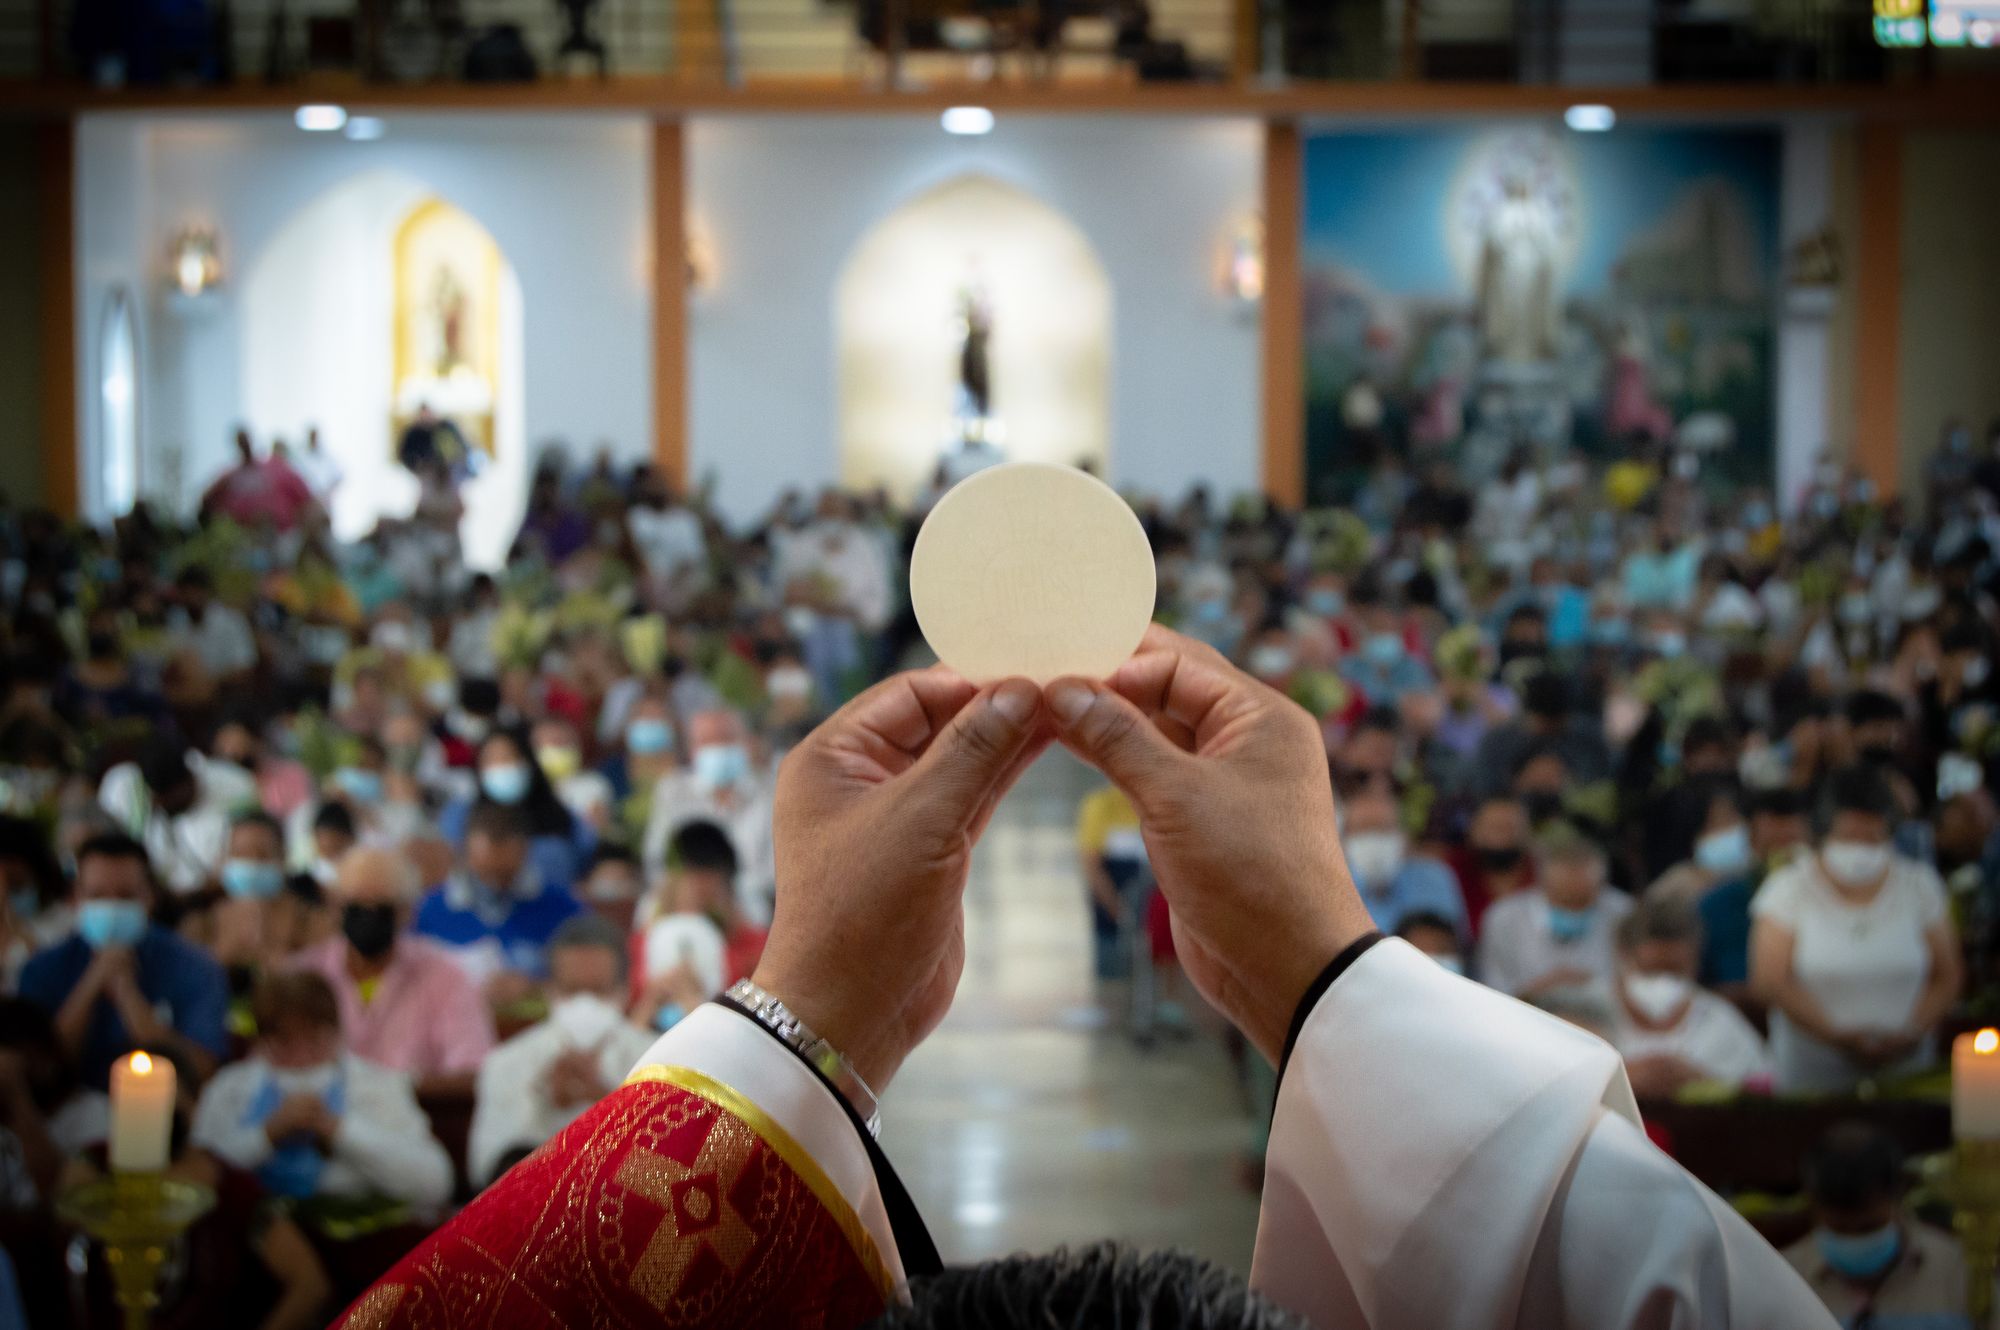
x=897, y=44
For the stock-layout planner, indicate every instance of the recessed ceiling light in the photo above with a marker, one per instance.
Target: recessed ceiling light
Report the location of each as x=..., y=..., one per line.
x=365, y=128
x=967, y=120
x=320, y=119
x=1590, y=119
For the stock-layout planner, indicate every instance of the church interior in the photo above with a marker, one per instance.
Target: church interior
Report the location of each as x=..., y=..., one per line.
x=451, y=455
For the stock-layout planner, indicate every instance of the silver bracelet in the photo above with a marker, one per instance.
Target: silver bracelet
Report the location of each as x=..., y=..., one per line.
x=829, y=1061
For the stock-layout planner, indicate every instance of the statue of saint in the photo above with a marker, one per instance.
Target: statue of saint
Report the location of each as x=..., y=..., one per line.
x=975, y=378
x=1517, y=296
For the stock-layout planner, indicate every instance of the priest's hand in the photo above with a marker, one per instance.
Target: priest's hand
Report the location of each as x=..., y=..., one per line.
x=1230, y=781
x=876, y=814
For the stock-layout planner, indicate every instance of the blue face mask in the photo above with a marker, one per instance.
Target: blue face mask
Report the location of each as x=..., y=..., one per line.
x=1325, y=601
x=111, y=923
x=646, y=736
x=1860, y=1256
x=1211, y=610
x=505, y=785
x=1383, y=649
x=1724, y=852
x=250, y=879
x=1568, y=925
x=720, y=765
x=359, y=784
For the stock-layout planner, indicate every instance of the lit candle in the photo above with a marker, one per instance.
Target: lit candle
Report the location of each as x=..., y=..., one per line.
x=142, y=1113
x=1975, y=1086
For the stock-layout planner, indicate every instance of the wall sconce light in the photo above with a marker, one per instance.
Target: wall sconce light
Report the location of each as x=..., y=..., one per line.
x=1242, y=277
x=700, y=257
x=194, y=261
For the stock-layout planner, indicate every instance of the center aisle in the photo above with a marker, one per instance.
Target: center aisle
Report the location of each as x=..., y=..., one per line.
x=1027, y=1122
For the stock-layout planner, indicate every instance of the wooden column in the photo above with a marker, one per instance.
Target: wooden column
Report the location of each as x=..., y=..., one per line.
x=670, y=273
x=56, y=239
x=1878, y=297
x=1284, y=468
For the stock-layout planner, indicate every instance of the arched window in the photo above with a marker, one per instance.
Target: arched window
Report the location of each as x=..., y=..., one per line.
x=118, y=406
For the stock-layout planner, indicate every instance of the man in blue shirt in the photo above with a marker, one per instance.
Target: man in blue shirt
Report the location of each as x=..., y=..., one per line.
x=122, y=982
x=1382, y=666
x=1394, y=883
x=496, y=914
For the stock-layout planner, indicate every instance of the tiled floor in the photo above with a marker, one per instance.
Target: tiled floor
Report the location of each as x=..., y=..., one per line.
x=1027, y=1121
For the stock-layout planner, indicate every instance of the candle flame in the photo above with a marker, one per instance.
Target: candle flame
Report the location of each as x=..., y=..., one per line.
x=142, y=1065
x=1986, y=1041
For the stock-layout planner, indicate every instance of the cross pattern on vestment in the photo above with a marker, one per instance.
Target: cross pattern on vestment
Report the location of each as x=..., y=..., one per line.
x=698, y=1214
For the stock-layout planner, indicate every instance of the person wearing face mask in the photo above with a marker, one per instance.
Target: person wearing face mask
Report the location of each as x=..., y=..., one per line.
x=790, y=704
x=1547, y=720
x=312, y=1120
x=1559, y=933
x=1383, y=667
x=1671, y=1032
x=1394, y=883
x=559, y=753
x=511, y=776
x=536, y=1083
x=719, y=786
x=404, y=1003
x=122, y=982
x=261, y=917
x=1704, y=818
x=1854, y=949
x=1494, y=863
x=1869, y=1260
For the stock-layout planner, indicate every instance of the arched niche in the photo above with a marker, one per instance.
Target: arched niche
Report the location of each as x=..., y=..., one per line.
x=333, y=320
x=899, y=318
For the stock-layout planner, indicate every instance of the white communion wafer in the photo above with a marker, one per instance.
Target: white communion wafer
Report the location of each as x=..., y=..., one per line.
x=1033, y=570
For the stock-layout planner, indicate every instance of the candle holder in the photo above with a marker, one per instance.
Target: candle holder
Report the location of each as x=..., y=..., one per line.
x=1970, y=1181
x=134, y=1216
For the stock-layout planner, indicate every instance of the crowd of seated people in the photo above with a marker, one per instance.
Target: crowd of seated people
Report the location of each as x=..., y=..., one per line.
x=402, y=865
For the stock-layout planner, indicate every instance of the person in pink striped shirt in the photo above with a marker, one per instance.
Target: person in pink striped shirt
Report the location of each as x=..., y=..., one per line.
x=404, y=1003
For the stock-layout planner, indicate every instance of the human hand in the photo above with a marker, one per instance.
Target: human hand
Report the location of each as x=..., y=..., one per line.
x=876, y=814
x=112, y=968
x=573, y=1079
x=1660, y=1076
x=1230, y=781
x=300, y=1115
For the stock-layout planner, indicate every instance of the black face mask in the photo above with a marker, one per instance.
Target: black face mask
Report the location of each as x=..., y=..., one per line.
x=1542, y=805
x=370, y=929
x=102, y=646
x=1500, y=858
x=1879, y=755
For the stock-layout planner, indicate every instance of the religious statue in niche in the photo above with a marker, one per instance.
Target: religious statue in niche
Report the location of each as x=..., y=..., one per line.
x=1517, y=284
x=975, y=376
x=447, y=333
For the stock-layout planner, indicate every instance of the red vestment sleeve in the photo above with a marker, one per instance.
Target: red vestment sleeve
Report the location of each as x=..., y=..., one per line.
x=674, y=1202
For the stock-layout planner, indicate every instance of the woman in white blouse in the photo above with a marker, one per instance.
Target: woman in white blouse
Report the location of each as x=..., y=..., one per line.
x=1853, y=948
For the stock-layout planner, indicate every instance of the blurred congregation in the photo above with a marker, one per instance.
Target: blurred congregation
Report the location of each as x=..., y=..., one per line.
x=404, y=865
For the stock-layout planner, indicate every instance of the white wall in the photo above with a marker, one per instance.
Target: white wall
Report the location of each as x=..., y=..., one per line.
x=785, y=201
x=566, y=197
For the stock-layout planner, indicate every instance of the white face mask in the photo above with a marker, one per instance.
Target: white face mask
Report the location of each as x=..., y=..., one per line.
x=1657, y=996
x=1451, y=964
x=1854, y=863
x=1271, y=662
x=788, y=684
x=584, y=1019
x=1374, y=855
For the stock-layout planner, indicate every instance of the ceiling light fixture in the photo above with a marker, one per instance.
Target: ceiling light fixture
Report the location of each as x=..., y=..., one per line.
x=967, y=120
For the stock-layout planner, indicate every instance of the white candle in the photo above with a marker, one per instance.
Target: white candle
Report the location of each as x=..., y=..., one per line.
x=142, y=1113
x=1975, y=1086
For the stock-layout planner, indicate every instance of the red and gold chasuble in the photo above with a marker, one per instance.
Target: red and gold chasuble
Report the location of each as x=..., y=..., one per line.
x=674, y=1202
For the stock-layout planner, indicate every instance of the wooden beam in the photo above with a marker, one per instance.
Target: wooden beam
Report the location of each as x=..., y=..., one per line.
x=1284, y=453
x=55, y=228
x=670, y=274
x=1965, y=102
x=1878, y=297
